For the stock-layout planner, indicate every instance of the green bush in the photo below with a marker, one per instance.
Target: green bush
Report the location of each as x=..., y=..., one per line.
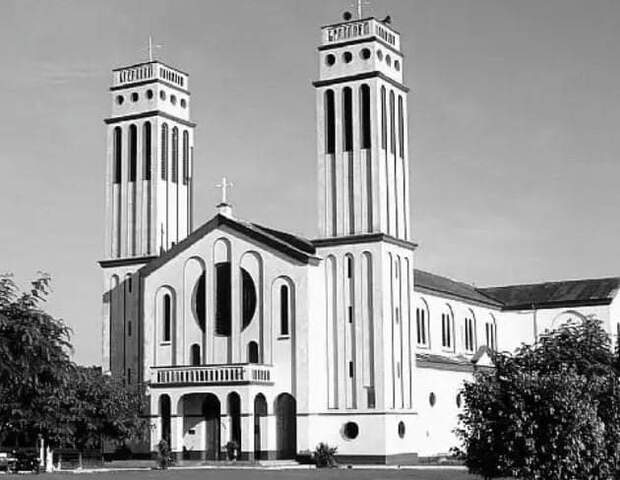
x=324, y=456
x=551, y=410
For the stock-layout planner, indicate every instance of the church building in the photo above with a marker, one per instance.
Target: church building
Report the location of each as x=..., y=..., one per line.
x=246, y=333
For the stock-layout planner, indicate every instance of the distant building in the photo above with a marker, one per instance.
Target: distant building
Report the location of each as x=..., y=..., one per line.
x=248, y=333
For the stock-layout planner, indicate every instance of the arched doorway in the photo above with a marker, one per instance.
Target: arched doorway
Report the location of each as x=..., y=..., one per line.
x=164, y=413
x=252, y=352
x=211, y=412
x=286, y=426
x=234, y=413
x=260, y=427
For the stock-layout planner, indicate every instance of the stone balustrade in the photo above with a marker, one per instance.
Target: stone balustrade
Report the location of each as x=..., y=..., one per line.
x=242, y=373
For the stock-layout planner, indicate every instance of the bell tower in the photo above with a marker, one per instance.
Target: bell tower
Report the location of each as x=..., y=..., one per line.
x=362, y=130
x=148, y=196
x=150, y=142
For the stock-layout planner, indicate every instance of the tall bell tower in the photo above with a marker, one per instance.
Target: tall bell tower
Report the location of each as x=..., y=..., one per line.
x=364, y=227
x=149, y=160
x=362, y=131
x=148, y=195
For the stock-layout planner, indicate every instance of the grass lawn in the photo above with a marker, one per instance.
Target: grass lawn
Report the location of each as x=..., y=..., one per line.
x=252, y=474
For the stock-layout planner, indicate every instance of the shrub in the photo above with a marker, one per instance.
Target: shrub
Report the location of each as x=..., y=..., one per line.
x=232, y=450
x=324, y=456
x=164, y=454
x=551, y=410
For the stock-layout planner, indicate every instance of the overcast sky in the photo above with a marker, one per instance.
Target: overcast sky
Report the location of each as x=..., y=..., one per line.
x=514, y=130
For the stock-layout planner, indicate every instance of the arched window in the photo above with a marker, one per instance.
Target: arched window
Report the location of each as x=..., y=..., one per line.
x=470, y=332
x=383, y=119
x=365, y=115
x=347, y=107
x=195, y=354
x=175, y=155
x=223, y=306
x=118, y=152
x=253, y=352
x=167, y=326
x=146, y=150
x=164, y=152
x=248, y=298
x=491, y=333
x=185, y=157
x=330, y=122
x=392, y=124
x=401, y=128
x=446, y=330
x=284, y=310
x=421, y=322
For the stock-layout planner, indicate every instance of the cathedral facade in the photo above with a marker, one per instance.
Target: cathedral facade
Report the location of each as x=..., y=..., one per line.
x=246, y=333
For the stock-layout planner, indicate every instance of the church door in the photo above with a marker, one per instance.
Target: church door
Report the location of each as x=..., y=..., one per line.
x=286, y=426
x=211, y=412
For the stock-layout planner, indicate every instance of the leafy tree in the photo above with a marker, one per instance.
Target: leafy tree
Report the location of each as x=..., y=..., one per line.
x=35, y=362
x=43, y=392
x=551, y=410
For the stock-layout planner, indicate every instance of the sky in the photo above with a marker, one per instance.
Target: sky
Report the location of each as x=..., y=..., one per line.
x=514, y=114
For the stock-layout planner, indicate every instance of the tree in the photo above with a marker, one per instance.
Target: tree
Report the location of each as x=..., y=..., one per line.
x=35, y=362
x=551, y=410
x=43, y=392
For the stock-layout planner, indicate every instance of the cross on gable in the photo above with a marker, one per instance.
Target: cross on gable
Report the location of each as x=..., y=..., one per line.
x=224, y=185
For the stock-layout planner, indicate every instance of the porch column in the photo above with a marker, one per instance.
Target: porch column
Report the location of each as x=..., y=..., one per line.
x=176, y=427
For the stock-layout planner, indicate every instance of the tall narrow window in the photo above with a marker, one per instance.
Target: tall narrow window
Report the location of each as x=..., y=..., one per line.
x=185, y=157
x=146, y=150
x=401, y=128
x=164, y=152
x=420, y=318
x=491, y=334
x=133, y=152
x=470, y=339
x=365, y=115
x=347, y=107
x=175, y=155
x=392, y=124
x=330, y=122
x=195, y=354
x=446, y=330
x=383, y=119
x=284, y=310
x=223, y=298
x=118, y=152
x=167, y=318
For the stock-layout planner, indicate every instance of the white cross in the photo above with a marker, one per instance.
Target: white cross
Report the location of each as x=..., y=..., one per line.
x=359, y=7
x=151, y=48
x=224, y=185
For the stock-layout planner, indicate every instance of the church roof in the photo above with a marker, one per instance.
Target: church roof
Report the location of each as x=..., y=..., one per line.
x=290, y=245
x=597, y=291
x=435, y=284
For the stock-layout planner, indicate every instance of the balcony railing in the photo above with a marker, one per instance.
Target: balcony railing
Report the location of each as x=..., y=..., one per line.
x=236, y=374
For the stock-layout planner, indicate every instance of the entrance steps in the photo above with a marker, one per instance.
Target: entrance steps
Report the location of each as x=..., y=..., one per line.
x=279, y=463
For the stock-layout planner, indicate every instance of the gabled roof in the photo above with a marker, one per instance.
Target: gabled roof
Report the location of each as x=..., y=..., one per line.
x=294, y=247
x=434, y=284
x=598, y=291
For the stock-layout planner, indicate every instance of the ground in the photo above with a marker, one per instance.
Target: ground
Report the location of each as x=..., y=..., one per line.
x=256, y=474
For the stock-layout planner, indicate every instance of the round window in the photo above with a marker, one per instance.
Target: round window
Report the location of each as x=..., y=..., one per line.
x=134, y=97
x=183, y=103
x=401, y=429
x=350, y=430
x=149, y=94
x=330, y=59
x=388, y=60
x=365, y=53
x=347, y=57
x=379, y=54
x=162, y=95
x=120, y=99
x=397, y=65
x=173, y=99
x=432, y=399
